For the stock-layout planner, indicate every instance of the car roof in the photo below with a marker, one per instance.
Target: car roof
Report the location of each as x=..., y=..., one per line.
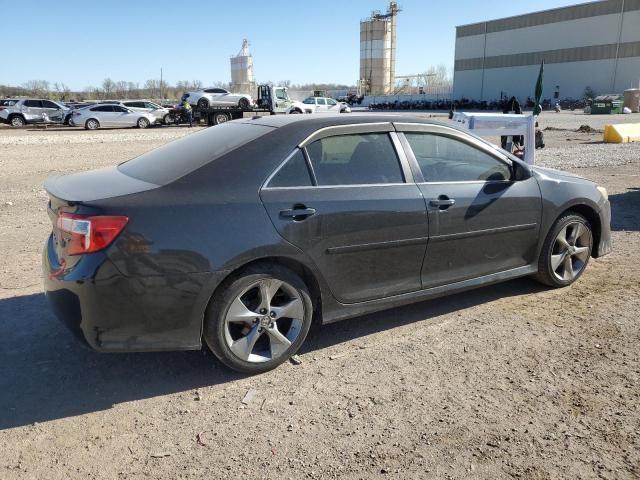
x=314, y=122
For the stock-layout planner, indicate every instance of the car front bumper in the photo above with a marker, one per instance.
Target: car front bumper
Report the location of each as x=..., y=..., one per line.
x=604, y=245
x=116, y=313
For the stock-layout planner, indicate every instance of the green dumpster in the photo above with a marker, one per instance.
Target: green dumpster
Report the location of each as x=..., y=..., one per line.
x=607, y=104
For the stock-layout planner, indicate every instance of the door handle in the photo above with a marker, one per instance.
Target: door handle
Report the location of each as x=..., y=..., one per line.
x=442, y=202
x=297, y=214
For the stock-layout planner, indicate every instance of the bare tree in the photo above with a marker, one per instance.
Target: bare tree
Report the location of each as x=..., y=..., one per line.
x=108, y=86
x=37, y=88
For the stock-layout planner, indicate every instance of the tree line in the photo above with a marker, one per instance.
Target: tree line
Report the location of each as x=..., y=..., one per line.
x=120, y=90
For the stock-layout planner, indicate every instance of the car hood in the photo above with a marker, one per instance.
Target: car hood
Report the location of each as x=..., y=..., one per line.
x=95, y=185
x=552, y=174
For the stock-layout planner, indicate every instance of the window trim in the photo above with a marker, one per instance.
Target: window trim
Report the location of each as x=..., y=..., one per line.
x=454, y=134
x=336, y=130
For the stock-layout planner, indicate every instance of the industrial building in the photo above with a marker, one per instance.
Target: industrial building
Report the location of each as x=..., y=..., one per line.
x=378, y=52
x=242, y=79
x=594, y=45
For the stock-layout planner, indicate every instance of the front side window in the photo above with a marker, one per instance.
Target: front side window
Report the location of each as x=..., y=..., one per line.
x=49, y=104
x=281, y=94
x=151, y=105
x=294, y=173
x=103, y=108
x=309, y=101
x=355, y=159
x=321, y=101
x=445, y=159
x=118, y=108
x=331, y=101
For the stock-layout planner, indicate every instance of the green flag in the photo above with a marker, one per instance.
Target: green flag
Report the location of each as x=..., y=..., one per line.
x=537, y=109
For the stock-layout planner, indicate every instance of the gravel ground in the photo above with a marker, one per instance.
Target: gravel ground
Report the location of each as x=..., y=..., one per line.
x=508, y=381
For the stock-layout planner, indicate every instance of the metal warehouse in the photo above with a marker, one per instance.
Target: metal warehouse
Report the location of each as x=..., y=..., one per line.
x=594, y=45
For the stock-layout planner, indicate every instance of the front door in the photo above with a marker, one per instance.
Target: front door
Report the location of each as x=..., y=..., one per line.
x=348, y=207
x=480, y=220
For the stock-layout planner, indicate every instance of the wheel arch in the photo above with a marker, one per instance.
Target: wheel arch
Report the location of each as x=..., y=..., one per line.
x=299, y=268
x=592, y=216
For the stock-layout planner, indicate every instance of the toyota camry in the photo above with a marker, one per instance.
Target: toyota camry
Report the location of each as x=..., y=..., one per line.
x=240, y=236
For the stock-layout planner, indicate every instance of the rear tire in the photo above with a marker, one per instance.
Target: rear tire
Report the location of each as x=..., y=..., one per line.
x=203, y=103
x=92, y=124
x=243, y=103
x=296, y=111
x=143, y=122
x=167, y=119
x=258, y=318
x=17, y=121
x=219, y=118
x=566, y=251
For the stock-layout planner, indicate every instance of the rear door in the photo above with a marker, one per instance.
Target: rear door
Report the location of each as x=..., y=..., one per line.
x=32, y=110
x=481, y=221
x=348, y=200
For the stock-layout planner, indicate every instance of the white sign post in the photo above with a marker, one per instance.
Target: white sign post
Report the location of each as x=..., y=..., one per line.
x=497, y=124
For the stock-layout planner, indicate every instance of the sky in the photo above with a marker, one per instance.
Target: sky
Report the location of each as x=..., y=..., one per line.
x=81, y=42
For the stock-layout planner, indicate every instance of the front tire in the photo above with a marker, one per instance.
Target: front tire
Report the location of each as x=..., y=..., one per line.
x=566, y=251
x=243, y=103
x=167, y=119
x=258, y=319
x=203, y=103
x=143, y=122
x=296, y=111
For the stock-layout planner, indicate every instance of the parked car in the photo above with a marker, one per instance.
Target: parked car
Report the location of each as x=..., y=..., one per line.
x=209, y=97
x=110, y=115
x=8, y=102
x=31, y=110
x=327, y=105
x=161, y=114
x=240, y=235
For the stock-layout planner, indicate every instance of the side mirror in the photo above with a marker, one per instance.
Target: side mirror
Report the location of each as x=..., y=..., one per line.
x=521, y=171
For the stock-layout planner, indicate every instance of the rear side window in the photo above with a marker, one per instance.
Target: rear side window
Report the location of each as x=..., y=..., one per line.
x=445, y=159
x=294, y=173
x=33, y=103
x=357, y=159
x=181, y=157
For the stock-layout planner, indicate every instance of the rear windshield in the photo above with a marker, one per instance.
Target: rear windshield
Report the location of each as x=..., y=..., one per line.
x=181, y=157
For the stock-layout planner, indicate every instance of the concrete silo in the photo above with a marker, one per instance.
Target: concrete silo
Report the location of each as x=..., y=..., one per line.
x=378, y=51
x=242, y=79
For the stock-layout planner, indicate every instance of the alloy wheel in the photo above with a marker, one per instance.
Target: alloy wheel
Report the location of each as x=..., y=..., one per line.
x=264, y=321
x=571, y=251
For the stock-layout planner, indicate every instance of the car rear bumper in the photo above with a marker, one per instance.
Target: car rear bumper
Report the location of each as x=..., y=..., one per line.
x=115, y=313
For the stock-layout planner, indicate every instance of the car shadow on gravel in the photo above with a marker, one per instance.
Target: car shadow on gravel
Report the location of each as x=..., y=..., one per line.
x=625, y=210
x=46, y=374
x=352, y=329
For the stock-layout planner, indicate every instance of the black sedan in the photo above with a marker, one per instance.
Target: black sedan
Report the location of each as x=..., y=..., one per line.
x=244, y=234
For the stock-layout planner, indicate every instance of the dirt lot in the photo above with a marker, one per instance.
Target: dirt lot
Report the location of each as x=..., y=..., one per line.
x=513, y=380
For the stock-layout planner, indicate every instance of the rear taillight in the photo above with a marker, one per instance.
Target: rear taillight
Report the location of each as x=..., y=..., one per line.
x=77, y=113
x=90, y=233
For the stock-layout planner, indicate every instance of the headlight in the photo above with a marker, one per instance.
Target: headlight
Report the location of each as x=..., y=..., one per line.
x=604, y=193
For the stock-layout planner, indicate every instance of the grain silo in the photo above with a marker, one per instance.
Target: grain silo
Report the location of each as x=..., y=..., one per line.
x=242, y=80
x=378, y=51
